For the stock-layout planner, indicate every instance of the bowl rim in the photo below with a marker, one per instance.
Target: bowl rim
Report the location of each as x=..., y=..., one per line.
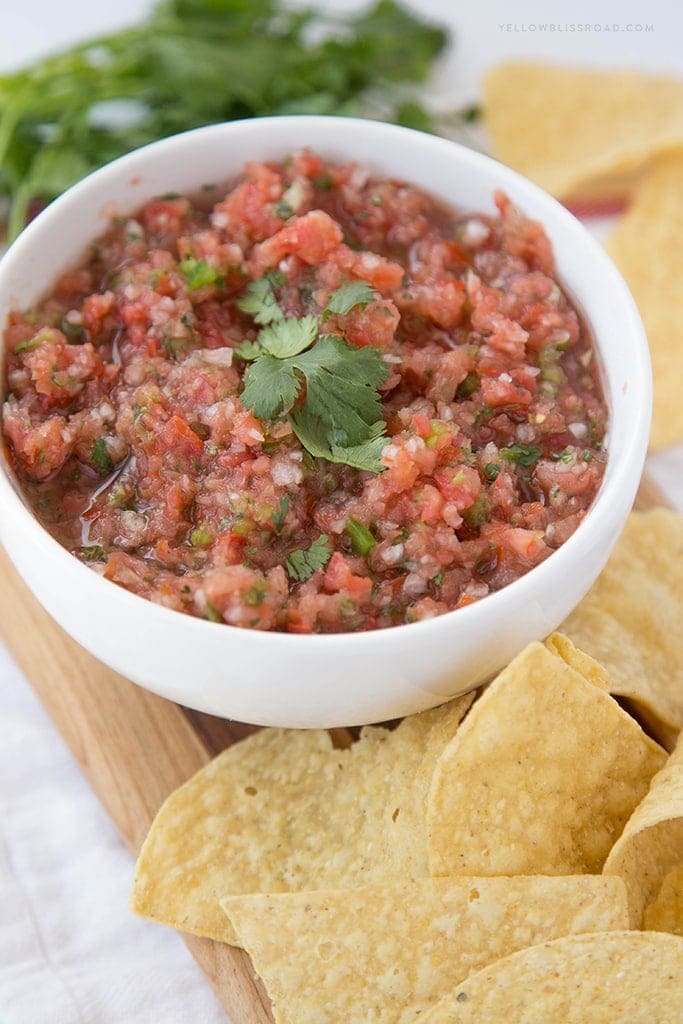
x=618, y=476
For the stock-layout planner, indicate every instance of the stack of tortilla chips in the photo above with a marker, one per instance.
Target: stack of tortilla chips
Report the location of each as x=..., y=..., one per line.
x=593, y=138
x=495, y=859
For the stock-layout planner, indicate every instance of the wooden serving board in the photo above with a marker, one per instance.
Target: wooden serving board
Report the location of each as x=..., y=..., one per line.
x=135, y=748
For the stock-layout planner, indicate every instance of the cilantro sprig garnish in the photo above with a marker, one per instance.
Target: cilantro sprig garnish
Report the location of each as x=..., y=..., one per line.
x=326, y=387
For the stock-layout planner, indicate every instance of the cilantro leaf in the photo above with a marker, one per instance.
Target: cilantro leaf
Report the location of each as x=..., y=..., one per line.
x=247, y=351
x=346, y=298
x=270, y=387
x=301, y=564
x=280, y=513
x=341, y=383
x=522, y=454
x=341, y=416
x=365, y=456
x=93, y=553
x=364, y=366
x=288, y=337
x=276, y=277
x=198, y=273
x=260, y=302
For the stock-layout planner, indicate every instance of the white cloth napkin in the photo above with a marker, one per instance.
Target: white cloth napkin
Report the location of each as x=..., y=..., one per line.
x=71, y=952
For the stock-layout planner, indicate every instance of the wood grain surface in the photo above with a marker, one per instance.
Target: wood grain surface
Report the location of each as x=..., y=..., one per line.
x=135, y=748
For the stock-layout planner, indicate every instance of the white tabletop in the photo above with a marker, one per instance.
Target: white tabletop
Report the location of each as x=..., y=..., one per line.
x=70, y=950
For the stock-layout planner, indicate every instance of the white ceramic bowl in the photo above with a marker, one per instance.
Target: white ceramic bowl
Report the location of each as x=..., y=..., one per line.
x=331, y=680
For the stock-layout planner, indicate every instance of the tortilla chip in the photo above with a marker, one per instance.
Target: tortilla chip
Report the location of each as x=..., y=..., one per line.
x=615, y=978
x=588, y=667
x=665, y=913
x=283, y=810
x=385, y=954
x=651, y=845
x=631, y=620
x=647, y=246
x=541, y=777
x=579, y=132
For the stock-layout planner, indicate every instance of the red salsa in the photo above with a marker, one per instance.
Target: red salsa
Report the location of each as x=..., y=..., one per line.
x=321, y=402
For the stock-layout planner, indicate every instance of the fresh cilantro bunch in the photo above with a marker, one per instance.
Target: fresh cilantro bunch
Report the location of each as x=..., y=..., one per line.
x=326, y=387
x=195, y=62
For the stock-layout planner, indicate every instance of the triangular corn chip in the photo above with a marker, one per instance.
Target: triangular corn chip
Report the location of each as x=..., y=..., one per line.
x=385, y=954
x=615, y=978
x=575, y=131
x=631, y=620
x=540, y=778
x=647, y=246
x=650, y=848
x=577, y=659
x=665, y=913
x=283, y=810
